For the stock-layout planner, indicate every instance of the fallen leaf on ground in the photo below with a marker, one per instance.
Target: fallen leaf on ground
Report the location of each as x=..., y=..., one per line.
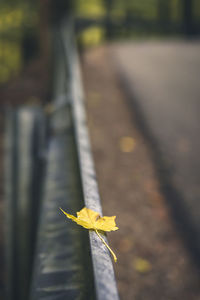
x=142, y=265
x=127, y=144
x=90, y=219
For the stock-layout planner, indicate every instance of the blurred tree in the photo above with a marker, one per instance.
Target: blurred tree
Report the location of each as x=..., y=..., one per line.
x=59, y=9
x=187, y=17
x=164, y=15
x=44, y=28
x=109, y=25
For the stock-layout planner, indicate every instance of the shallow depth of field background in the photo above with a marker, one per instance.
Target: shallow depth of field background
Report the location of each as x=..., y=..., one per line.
x=155, y=260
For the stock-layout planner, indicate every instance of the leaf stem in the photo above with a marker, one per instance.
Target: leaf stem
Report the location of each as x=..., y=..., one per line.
x=113, y=254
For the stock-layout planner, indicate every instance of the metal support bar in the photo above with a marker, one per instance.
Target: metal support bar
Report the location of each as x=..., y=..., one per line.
x=24, y=167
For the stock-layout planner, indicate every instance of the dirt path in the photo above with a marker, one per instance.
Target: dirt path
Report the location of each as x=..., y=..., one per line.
x=152, y=261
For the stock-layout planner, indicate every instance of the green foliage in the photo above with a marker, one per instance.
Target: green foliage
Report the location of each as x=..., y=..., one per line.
x=92, y=36
x=137, y=18
x=196, y=10
x=145, y=9
x=14, y=20
x=90, y=8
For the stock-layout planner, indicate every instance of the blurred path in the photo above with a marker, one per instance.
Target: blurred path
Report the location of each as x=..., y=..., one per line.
x=152, y=262
x=163, y=81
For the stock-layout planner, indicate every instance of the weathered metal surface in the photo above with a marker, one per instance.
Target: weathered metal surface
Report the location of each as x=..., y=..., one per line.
x=24, y=147
x=105, y=284
x=10, y=194
x=63, y=265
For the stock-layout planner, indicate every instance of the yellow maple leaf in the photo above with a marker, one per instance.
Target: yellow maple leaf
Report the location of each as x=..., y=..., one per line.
x=90, y=219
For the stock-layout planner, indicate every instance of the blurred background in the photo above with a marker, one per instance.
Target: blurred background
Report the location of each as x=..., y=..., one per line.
x=140, y=63
x=96, y=21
